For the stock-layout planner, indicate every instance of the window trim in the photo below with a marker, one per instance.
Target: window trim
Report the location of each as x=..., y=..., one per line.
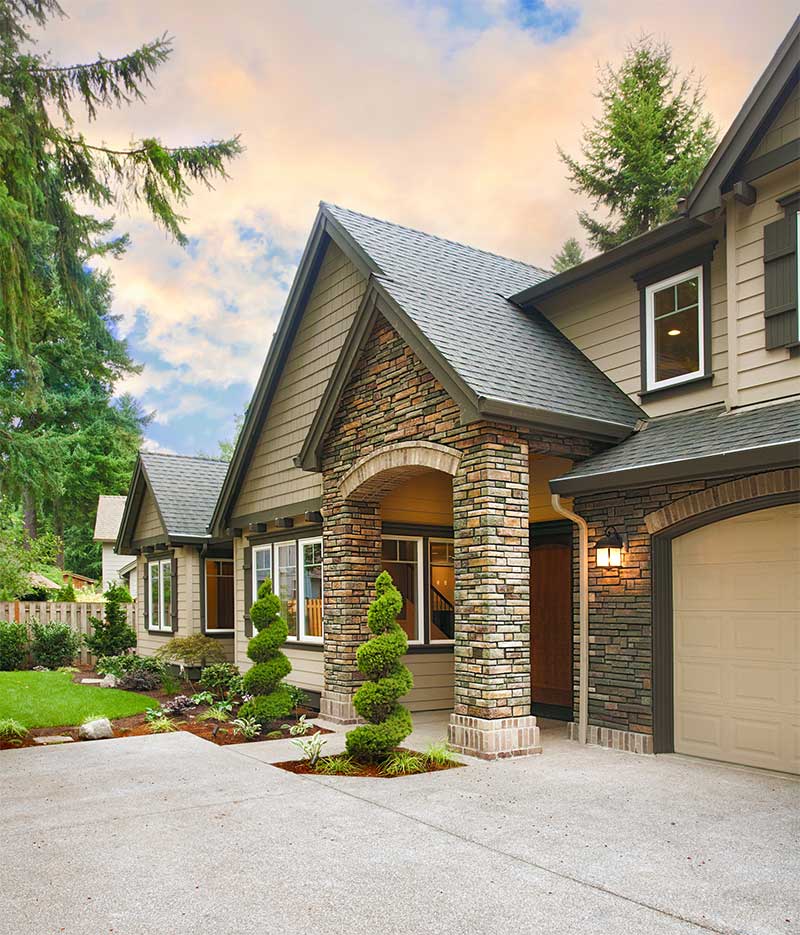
x=650, y=329
x=276, y=584
x=217, y=630
x=302, y=636
x=422, y=600
x=452, y=542
x=164, y=613
x=263, y=547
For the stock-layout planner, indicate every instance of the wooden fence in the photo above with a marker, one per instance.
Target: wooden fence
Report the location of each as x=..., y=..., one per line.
x=76, y=615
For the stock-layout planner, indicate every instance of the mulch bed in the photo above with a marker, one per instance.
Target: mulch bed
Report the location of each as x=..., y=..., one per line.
x=370, y=770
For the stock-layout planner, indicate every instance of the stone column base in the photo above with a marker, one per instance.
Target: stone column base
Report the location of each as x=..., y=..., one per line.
x=614, y=738
x=493, y=739
x=337, y=707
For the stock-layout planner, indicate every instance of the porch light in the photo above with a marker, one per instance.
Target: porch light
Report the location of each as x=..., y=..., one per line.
x=609, y=549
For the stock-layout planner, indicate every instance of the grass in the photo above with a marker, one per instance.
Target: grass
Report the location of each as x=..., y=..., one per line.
x=52, y=699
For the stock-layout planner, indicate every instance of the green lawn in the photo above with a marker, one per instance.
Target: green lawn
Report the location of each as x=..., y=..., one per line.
x=52, y=699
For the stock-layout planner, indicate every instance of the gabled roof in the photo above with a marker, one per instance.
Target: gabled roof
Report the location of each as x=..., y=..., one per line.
x=762, y=104
x=701, y=443
x=109, y=517
x=185, y=489
x=450, y=303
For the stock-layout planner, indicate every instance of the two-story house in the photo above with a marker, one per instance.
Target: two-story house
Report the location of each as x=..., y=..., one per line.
x=585, y=485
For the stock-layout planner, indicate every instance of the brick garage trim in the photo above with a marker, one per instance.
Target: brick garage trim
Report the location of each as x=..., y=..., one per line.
x=737, y=491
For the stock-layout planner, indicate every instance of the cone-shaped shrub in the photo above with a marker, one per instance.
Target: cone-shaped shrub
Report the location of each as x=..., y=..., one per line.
x=387, y=678
x=271, y=699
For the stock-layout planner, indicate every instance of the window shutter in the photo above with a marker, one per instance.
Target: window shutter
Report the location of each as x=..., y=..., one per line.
x=780, y=282
x=173, y=594
x=247, y=567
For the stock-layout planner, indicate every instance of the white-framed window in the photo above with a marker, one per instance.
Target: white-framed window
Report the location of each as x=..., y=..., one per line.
x=311, y=590
x=261, y=566
x=441, y=590
x=219, y=595
x=401, y=556
x=285, y=583
x=159, y=610
x=675, y=333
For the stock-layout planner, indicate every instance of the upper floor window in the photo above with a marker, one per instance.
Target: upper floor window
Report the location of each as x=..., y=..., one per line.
x=675, y=334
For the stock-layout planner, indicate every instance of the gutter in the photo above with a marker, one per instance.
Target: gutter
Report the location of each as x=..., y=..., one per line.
x=583, y=614
x=530, y=416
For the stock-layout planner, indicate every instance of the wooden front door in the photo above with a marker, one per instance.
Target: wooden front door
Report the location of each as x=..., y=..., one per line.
x=551, y=623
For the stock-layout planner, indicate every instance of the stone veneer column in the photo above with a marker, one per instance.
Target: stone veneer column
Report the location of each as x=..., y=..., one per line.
x=352, y=550
x=491, y=716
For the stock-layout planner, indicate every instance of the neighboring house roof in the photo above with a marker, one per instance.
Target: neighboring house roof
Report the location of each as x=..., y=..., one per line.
x=757, y=113
x=109, y=517
x=75, y=578
x=185, y=489
x=41, y=581
x=128, y=568
x=449, y=303
x=693, y=444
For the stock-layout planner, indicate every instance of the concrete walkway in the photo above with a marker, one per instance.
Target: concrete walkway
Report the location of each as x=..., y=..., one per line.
x=171, y=835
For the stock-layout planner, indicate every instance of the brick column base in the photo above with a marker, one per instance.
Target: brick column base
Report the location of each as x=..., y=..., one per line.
x=496, y=738
x=629, y=740
x=337, y=707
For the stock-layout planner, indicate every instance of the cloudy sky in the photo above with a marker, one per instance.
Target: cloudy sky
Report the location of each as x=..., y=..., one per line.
x=439, y=114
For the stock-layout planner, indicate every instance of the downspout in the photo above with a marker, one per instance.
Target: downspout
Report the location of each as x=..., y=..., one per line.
x=583, y=614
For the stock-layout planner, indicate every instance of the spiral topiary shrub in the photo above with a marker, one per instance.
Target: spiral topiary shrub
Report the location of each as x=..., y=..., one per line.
x=389, y=723
x=271, y=699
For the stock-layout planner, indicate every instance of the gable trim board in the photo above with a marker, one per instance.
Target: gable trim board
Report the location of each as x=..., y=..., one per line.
x=761, y=107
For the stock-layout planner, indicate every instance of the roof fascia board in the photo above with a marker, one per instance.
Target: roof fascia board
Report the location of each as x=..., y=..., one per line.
x=775, y=159
x=661, y=236
x=149, y=483
x=132, y=504
x=782, y=454
x=756, y=112
x=533, y=417
x=325, y=229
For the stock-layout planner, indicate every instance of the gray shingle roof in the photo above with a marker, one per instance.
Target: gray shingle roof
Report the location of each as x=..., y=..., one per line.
x=186, y=490
x=458, y=298
x=670, y=445
x=109, y=516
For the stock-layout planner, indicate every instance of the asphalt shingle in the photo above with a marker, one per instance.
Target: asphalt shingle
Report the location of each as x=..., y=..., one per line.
x=109, y=515
x=186, y=489
x=458, y=297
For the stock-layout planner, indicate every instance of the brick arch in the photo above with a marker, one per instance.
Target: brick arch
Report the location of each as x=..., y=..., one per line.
x=379, y=472
x=736, y=491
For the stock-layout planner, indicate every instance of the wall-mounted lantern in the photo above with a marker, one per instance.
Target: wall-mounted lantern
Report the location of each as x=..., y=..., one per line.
x=609, y=549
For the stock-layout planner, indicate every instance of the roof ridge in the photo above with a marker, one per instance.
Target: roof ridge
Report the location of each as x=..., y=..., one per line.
x=171, y=454
x=455, y=243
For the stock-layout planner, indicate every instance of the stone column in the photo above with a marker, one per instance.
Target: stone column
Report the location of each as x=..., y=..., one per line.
x=352, y=550
x=491, y=716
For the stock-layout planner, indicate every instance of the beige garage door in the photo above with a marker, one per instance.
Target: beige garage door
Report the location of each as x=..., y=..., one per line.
x=736, y=592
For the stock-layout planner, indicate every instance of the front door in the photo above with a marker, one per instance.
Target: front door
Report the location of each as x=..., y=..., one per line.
x=551, y=621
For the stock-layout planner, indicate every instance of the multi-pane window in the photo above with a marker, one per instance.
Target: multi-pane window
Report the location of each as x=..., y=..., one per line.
x=286, y=583
x=311, y=589
x=219, y=594
x=675, y=339
x=160, y=594
x=401, y=557
x=262, y=566
x=441, y=590
x=301, y=595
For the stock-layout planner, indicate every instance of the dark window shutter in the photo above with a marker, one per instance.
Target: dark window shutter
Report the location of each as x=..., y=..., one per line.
x=146, y=595
x=173, y=594
x=780, y=282
x=247, y=567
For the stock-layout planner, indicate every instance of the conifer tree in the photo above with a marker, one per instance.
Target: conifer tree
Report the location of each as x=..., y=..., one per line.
x=646, y=149
x=49, y=169
x=570, y=254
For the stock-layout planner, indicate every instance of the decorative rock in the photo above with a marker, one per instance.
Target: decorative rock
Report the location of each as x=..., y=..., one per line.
x=99, y=729
x=109, y=681
x=91, y=681
x=52, y=739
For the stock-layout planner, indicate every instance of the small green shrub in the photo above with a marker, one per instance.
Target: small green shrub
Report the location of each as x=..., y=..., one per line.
x=299, y=698
x=274, y=735
x=438, y=754
x=272, y=700
x=189, y=651
x=298, y=729
x=311, y=747
x=342, y=765
x=140, y=680
x=217, y=712
x=128, y=662
x=113, y=635
x=221, y=679
x=12, y=731
x=161, y=725
x=13, y=646
x=170, y=683
x=54, y=644
x=247, y=727
x=65, y=594
x=202, y=698
x=403, y=763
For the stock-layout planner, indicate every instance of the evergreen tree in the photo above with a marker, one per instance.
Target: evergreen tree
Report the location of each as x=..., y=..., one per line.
x=113, y=635
x=647, y=148
x=570, y=254
x=49, y=170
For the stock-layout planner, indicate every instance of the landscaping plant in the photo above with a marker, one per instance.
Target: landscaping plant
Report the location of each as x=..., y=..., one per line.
x=438, y=754
x=54, y=644
x=341, y=765
x=403, y=763
x=299, y=729
x=221, y=679
x=189, y=651
x=128, y=662
x=199, y=698
x=248, y=727
x=12, y=731
x=161, y=725
x=140, y=680
x=113, y=635
x=13, y=646
x=311, y=747
x=389, y=723
x=218, y=712
x=271, y=698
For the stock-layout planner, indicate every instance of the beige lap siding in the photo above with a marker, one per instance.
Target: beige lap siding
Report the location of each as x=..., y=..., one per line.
x=149, y=524
x=433, y=682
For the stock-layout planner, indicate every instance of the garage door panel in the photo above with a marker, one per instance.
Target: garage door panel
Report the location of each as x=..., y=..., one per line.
x=736, y=631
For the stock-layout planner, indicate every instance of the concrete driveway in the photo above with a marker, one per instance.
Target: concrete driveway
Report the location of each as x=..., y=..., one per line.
x=171, y=835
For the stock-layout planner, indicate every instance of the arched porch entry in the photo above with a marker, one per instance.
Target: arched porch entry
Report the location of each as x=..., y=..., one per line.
x=464, y=574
